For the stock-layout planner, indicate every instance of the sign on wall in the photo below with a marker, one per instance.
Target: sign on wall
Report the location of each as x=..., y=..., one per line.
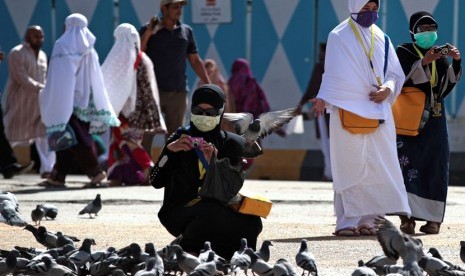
x=211, y=11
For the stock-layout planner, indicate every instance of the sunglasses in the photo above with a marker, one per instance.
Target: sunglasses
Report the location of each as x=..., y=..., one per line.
x=212, y=112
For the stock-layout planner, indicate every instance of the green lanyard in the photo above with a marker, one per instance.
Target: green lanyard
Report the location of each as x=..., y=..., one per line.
x=433, y=79
x=372, y=48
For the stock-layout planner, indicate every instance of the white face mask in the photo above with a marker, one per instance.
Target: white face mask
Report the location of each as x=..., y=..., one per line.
x=205, y=123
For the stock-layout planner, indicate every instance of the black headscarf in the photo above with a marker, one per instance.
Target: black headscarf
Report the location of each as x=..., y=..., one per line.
x=420, y=18
x=213, y=95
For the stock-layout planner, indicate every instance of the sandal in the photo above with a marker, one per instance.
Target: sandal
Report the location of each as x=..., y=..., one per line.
x=407, y=225
x=50, y=183
x=347, y=232
x=430, y=227
x=366, y=230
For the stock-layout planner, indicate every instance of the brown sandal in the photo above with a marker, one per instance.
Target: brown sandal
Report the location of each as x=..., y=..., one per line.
x=407, y=225
x=366, y=230
x=347, y=232
x=430, y=227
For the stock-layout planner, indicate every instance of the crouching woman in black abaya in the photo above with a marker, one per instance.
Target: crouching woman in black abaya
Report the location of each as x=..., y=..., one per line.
x=181, y=170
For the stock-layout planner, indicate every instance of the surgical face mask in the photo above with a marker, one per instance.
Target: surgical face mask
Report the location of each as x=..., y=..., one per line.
x=425, y=40
x=366, y=18
x=205, y=123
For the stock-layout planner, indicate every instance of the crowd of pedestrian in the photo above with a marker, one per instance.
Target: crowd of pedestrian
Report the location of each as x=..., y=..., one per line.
x=141, y=90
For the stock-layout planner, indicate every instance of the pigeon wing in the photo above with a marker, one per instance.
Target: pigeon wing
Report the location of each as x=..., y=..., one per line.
x=390, y=238
x=241, y=121
x=272, y=121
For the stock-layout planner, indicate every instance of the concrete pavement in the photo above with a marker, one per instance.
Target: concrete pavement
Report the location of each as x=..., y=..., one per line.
x=300, y=210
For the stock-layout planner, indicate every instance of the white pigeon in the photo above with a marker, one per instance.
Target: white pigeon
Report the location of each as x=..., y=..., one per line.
x=252, y=129
x=9, y=214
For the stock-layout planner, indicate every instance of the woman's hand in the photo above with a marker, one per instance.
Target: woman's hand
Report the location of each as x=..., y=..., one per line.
x=181, y=144
x=208, y=149
x=453, y=52
x=430, y=56
x=318, y=107
x=380, y=95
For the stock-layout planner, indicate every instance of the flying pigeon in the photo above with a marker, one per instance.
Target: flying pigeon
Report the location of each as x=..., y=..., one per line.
x=305, y=260
x=93, y=207
x=9, y=214
x=37, y=215
x=252, y=129
x=51, y=211
x=396, y=244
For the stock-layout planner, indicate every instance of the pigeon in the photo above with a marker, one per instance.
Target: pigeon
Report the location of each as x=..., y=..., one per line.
x=55, y=269
x=283, y=268
x=258, y=265
x=153, y=268
x=51, y=211
x=11, y=197
x=239, y=260
x=62, y=240
x=8, y=265
x=10, y=215
x=432, y=265
x=252, y=129
x=363, y=270
x=187, y=262
x=93, y=207
x=462, y=251
x=37, y=215
x=205, y=269
x=380, y=261
x=264, y=251
x=305, y=260
x=435, y=253
x=83, y=254
x=396, y=244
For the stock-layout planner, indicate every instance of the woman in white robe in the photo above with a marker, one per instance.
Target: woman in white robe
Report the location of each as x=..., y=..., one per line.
x=366, y=174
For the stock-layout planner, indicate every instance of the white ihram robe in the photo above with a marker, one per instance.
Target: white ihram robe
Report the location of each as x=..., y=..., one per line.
x=367, y=179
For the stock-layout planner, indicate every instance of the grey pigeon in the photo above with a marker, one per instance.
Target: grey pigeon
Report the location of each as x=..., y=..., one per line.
x=205, y=269
x=396, y=244
x=48, y=237
x=51, y=211
x=305, y=260
x=187, y=262
x=432, y=265
x=380, y=261
x=462, y=251
x=55, y=269
x=83, y=254
x=283, y=268
x=10, y=197
x=251, y=130
x=258, y=265
x=452, y=273
x=93, y=207
x=62, y=240
x=264, y=251
x=153, y=268
x=239, y=260
x=37, y=215
x=8, y=265
x=363, y=270
x=118, y=272
x=10, y=215
x=435, y=253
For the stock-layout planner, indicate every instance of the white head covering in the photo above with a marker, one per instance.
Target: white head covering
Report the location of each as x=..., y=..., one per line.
x=348, y=77
x=118, y=69
x=74, y=82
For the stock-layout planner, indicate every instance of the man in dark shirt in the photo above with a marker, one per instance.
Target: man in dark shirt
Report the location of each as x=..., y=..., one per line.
x=168, y=43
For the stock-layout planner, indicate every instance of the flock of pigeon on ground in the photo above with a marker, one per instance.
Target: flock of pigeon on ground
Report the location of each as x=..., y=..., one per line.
x=62, y=257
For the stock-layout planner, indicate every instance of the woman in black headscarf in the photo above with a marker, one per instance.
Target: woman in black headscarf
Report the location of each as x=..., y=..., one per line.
x=424, y=158
x=181, y=170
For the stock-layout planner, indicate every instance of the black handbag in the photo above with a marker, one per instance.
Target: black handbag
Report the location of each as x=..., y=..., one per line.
x=222, y=181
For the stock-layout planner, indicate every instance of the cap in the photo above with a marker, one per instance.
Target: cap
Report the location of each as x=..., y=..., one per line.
x=166, y=2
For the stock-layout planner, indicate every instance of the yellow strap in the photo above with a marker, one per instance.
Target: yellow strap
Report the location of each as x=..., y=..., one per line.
x=433, y=79
x=372, y=47
x=202, y=170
